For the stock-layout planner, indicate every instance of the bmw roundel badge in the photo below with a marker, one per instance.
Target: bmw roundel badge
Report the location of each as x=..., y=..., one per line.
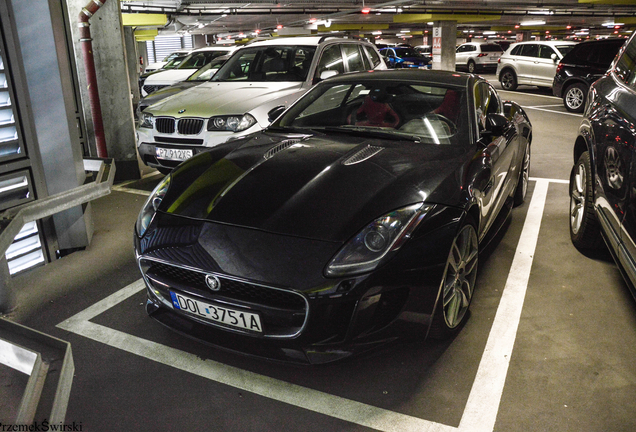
x=213, y=282
x=182, y=111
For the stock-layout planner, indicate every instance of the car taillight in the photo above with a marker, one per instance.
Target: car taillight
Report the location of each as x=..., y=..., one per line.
x=559, y=67
x=482, y=55
x=499, y=60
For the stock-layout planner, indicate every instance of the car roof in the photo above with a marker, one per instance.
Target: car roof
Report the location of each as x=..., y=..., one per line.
x=303, y=40
x=442, y=77
x=216, y=48
x=551, y=42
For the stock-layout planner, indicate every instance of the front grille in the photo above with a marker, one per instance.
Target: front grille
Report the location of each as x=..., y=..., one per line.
x=165, y=125
x=190, y=126
x=231, y=289
x=151, y=88
x=171, y=140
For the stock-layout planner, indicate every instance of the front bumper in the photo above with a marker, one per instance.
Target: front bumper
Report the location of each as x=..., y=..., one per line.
x=306, y=318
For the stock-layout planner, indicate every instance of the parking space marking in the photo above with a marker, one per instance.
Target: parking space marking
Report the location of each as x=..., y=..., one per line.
x=538, y=108
x=480, y=413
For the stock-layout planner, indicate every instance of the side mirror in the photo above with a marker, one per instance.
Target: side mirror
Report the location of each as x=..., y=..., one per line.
x=275, y=112
x=496, y=125
x=554, y=57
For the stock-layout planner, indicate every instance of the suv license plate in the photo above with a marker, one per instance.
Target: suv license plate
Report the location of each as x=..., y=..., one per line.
x=173, y=154
x=221, y=314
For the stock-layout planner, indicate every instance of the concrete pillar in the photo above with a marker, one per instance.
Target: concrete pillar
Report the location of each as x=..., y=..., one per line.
x=111, y=65
x=524, y=36
x=132, y=61
x=444, y=43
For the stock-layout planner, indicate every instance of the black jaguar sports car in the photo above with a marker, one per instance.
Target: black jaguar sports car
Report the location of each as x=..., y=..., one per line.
x=354, y=219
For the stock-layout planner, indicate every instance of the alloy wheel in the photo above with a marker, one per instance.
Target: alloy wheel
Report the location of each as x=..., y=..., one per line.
x=460, y=276
x=574, y=98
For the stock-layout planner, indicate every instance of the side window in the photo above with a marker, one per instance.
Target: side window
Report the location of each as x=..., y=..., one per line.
x=486, y=102
x=516, y=50
x=353, y=57
x=472, y=48
x=530, y=50
x=546, y=52
x=331, y=60
x=626, y=66
x=373, y=55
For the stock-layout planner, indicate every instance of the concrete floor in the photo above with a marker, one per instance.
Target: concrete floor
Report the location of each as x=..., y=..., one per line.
x=569, y=365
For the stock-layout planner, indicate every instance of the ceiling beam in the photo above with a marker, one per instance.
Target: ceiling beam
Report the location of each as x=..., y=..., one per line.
x=460, y=18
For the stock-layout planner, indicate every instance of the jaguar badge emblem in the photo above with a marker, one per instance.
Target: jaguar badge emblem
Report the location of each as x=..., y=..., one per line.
x=213, y=282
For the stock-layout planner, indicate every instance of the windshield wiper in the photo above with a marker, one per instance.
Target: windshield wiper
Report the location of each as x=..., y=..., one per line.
x=373, y=132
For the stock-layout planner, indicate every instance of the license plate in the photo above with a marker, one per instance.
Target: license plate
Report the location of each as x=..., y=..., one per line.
x=221, y=314
x=173, y=154
x=493, y=58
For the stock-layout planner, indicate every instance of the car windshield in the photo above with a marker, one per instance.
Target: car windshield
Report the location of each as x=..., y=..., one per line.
x=415, y=111
x=172, y=64
x=564, y=49
x=268, y=63
x=207, y=71
x=200, y=59
x=406, y=52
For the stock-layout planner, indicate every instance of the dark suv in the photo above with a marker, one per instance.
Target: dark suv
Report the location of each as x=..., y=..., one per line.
x=603, y=180
x=586, y=63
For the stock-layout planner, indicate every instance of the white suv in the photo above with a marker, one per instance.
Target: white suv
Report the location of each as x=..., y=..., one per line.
x=193, y=62
x=474, y=56
x=532, y=63
x=248, y=91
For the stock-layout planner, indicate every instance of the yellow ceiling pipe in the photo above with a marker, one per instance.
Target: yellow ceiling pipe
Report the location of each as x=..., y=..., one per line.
x=419, y=18
x=144, y=20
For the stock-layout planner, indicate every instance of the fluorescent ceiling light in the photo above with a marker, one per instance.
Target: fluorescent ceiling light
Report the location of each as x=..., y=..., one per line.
x=489, y=32
x=531, y=23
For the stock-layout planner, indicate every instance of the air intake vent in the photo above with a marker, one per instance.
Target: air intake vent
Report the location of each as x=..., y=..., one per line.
x=190, y=126
x=165, y=125
x=366, y=153
x=280, y=147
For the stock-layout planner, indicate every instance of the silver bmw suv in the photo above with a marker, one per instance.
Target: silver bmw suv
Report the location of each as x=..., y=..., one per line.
x=246, y=93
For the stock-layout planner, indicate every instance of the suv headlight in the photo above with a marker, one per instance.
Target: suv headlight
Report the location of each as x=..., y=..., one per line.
x=377, y=242
x=231, y=123
x=146, y=120
x=152, y=204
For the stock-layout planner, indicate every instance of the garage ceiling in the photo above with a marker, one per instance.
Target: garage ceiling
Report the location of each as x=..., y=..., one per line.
x=562, y=18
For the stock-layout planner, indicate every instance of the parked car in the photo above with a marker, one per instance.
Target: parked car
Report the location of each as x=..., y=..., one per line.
x=194, y=61
x=426, y=51
x=475, y=56
x=584, y=64
x=603, y=179
x=243, y=97
x=176, y=61
x=356, y=217
x=200, y=76
x=403, y=57
x=532, y=63
x=160, y=64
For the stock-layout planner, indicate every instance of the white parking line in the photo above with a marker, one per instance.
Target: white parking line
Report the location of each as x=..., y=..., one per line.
x=552, y=111
x=481, y=408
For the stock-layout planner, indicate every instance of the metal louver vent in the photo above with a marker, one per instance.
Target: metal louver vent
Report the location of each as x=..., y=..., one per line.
x=26, y=250
x=280, y=147
x=364, y=154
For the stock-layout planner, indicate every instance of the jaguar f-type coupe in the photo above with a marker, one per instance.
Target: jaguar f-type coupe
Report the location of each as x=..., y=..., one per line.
x=354, y=219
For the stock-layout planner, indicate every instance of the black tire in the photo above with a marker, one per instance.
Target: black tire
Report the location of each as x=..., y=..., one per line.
x=471, y=66
x=574, y=97
x=457, y=285
x=524, y=176
x=164, y=171
x=508, y=79
x=584, y=227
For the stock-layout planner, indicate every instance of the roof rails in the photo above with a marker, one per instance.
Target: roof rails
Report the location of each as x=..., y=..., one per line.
x=338, y=35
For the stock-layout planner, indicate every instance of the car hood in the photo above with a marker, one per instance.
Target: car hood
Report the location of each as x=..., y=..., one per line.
x=223, y=98
x=169, y=76
x=316, y=187
x=163, y=93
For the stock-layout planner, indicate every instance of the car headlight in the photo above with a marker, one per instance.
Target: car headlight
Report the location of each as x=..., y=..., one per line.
x=152, y=204
x=376, y=242
x=231, y=123
x=146, y=120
